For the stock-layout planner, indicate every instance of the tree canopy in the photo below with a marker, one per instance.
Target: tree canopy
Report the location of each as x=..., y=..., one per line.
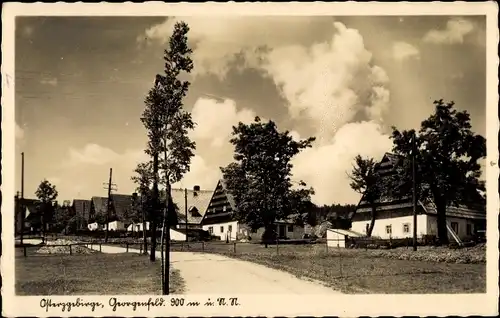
x=260, y=178
x=47, y=195
x=447, y=155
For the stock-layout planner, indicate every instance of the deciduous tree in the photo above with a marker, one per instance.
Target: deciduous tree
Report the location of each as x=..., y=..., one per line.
x=447, y=155
x=47, y=195
x=260, y=178
x=367, y=181
x=168, y=125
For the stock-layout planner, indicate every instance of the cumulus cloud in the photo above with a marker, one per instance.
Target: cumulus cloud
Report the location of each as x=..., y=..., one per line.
x=454, y=33
x=214, y=120
x=402, y=51
x=327, y=83
x=217, y=41
x=325, y=167
x=202, y=174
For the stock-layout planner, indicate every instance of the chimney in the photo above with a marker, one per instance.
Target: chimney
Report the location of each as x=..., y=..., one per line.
x=196, y=189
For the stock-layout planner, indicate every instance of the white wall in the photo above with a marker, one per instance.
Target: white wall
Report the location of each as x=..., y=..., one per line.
x=379, y=229
x=242, y=232
x=177, y=236
x=137, y=227
x=116, y=226
x=462, y=226
x=222, y=230
x=335, y=239
x=94, y=226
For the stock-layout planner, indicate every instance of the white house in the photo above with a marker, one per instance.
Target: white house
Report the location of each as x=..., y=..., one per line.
x=116, y=226
x=94, y=226
x=218, y=220
x=137, y=227
x=394, y=218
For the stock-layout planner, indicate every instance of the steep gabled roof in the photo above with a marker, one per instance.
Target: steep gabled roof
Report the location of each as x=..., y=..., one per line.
x=388, y=163
x=81, y=207
x=196, y=200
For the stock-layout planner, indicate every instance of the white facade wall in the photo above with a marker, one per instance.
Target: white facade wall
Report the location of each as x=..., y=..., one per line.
x=94, y=226
x=242, y=232
x=116, y=226
x=227, y=230
x=397, y=225
x=177, y=236
x=460, y=223
x=137, y=227
x=426, y=225
x=334, y=239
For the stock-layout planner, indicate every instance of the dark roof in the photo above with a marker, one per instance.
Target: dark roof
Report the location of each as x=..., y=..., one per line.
x=390, y=203
x=82, y=207
x=121, y=204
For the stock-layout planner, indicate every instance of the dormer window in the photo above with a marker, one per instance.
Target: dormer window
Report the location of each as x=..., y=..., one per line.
x=194, y=211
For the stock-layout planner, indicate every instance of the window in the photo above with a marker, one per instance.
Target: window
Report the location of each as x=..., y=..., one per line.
x=254, y=230
x=454, y=227
x=224, y=208
x=469, y=229
x=388, y=229
x=290, y=228
x=406, y=228
x=222, y=229
x=211, y=230
x=230, y=228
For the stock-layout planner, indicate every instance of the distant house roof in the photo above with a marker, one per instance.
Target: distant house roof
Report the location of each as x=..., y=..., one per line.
x=82, y=208
x=121, y=204
x=426, y=204
x=197, y=204
x=31, y=209
x=347, y=232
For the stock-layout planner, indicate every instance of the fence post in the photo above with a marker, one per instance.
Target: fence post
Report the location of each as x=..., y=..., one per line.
x=70, y=252
x=340, y=260
x=140, y=249
x=277, y=246
x=24, y=248
x=234, y=249
x=127, y=247
x=203, y=246
x=100, y=247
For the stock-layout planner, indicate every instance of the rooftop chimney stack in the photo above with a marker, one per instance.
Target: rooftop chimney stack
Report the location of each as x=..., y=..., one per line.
x=196, y=189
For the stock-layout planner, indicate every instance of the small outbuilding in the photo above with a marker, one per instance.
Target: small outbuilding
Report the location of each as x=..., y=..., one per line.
x=339, y=237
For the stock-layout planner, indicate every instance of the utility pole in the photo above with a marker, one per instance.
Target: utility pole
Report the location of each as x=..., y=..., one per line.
x=108, y=207
x=186, y=210
x=23, y=209
x=414, y=185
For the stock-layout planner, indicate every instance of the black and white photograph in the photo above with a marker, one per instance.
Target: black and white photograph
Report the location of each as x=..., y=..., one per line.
x=172, y=160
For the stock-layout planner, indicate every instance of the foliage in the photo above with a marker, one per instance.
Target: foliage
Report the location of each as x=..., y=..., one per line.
x=63, y=215
x=366, y=180
x=47, y=195
x=260, y=178
x=446, y=155
x=332, y=213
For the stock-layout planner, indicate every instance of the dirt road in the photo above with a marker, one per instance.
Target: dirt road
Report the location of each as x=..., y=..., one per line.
x=205, y=273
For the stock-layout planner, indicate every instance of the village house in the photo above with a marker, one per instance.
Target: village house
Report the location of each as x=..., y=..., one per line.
x=81, y=208
x=395, y=216
x=32, y=221
x=120, y=208
x=219, y=220
x=191, y=204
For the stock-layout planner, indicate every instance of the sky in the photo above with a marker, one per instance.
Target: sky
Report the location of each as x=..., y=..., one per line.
x=80, y=84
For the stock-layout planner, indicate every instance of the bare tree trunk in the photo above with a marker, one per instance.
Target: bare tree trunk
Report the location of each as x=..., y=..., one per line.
x=373, y=218
x=144, y=227
x=152, y=218
x=441, y=223
x=166, y=241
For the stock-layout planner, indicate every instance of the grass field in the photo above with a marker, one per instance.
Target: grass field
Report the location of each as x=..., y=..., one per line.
x=92, y=274
x=354, y=271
